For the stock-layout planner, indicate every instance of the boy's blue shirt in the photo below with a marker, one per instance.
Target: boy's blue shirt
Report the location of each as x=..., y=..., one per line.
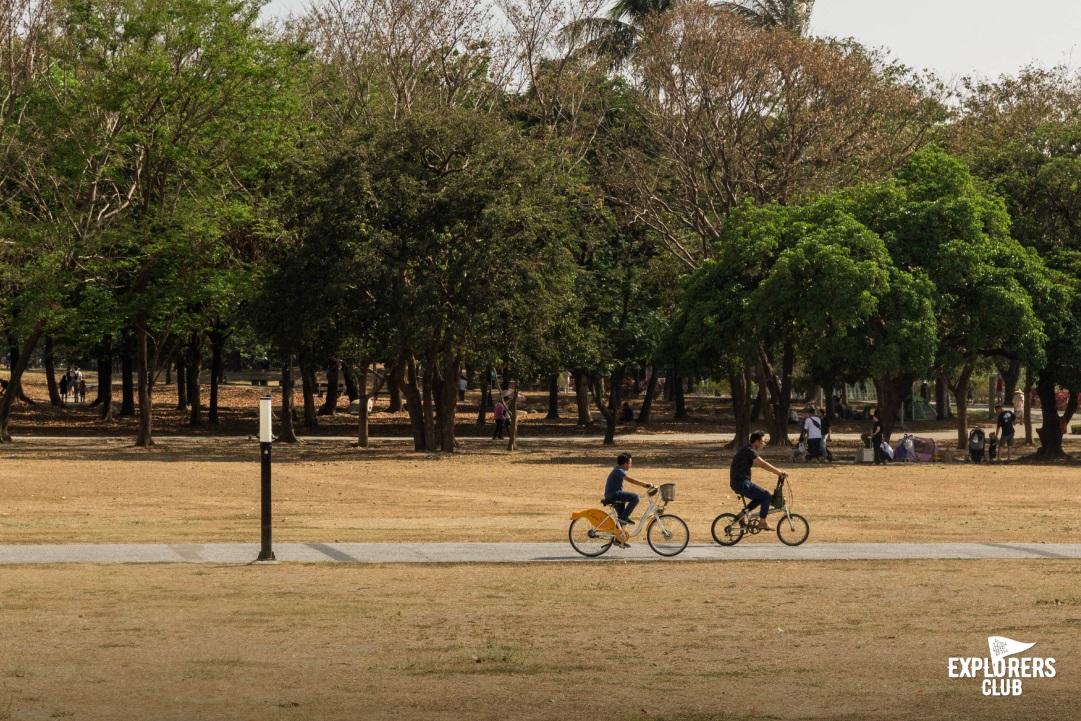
x=615, y=482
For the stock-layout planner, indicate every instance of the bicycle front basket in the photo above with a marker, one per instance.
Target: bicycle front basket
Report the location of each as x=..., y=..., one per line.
x=778, y=497
x=668, y=492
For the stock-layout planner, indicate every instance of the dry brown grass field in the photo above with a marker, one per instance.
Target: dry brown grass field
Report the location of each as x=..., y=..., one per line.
x=626, y=641
x=634, y=642
x=205, y=490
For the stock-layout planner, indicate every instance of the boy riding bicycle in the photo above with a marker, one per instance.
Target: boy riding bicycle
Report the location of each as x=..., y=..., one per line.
x=740, y=478
x=622, y=501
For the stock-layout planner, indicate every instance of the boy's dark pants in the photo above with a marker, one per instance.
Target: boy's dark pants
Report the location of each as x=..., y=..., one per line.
x=624, y=502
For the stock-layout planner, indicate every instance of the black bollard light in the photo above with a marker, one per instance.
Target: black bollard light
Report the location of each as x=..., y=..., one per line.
x=266, y=438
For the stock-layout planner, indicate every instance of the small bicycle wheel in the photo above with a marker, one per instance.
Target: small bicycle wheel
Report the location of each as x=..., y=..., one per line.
x=668, y=535
x=726, y=530
x=587, y=540
x=793, y=529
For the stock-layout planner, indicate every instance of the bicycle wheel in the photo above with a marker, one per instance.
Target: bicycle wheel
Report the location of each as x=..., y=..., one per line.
x=793, y=529
x=668, y=535
x=587, y=540
x=726, y=530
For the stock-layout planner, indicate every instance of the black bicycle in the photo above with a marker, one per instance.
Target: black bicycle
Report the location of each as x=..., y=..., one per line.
x=792, y=528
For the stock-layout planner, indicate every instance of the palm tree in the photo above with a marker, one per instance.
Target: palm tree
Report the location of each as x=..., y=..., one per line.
x=792, y=15
x=615, y=36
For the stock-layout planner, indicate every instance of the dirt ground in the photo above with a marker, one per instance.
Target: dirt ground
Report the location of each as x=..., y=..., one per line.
x=206, y=490
x=682, y=642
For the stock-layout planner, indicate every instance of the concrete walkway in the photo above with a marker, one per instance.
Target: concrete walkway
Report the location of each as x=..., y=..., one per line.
x=365, y=553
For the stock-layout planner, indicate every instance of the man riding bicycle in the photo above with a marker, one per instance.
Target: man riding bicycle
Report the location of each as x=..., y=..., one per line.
x=740, y=478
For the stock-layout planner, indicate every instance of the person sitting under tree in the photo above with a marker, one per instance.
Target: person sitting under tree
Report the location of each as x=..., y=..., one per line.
x=740, y=478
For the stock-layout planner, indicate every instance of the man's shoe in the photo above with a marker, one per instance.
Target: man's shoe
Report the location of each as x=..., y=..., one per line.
x=763, y=526
x=626, y=522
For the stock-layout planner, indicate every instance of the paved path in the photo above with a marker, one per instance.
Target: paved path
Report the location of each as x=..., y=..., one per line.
x=237, y=553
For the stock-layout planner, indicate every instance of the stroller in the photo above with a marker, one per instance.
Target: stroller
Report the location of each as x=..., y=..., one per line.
x=992, y=448
x=977, y=439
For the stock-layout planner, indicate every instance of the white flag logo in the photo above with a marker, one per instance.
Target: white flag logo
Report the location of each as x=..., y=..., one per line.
x=1001, y=647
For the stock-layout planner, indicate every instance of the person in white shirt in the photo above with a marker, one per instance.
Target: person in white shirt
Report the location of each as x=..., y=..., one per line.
x=812, y=426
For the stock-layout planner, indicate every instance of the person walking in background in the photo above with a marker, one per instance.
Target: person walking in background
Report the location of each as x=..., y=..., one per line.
x=876, y=438
x=500, y=412
x=812, y=427
x=64, y=387
x=1019, y=404
x=1004, y=428
x=82, y=390
x=463, y=383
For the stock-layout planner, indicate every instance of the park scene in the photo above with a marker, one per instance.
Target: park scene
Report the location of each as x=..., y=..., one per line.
x=532, y=359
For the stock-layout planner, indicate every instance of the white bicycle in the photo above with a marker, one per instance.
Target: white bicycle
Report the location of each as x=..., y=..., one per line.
x=593, y=530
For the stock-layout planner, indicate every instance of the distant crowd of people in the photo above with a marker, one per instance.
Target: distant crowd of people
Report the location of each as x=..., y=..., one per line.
x=73, y=385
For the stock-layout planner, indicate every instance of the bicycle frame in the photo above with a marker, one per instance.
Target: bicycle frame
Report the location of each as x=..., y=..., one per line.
x=742, y=515
x=652, y=510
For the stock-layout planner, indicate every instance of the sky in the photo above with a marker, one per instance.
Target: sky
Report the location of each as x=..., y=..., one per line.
x=986, y=38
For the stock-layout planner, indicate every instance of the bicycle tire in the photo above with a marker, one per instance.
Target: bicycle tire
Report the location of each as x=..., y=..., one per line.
x=726, y=520
x=793, y=529
x=590, y=546
x=679, y=535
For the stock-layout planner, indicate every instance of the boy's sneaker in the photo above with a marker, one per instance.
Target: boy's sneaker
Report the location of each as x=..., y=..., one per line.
x=626, y=522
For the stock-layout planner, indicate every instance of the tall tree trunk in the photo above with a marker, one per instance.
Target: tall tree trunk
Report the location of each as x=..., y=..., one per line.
x=410, y=388
x=449, y=403
x=611, y=412
x=105, y=373
x=1028, y=405
x=350, y=379
x=50, y=374
x=127, y=384
x=308, y=381
x=18, y=367
x=1011, y=374
x=105, y=380
x=992, y=382
x=742, y=385
x=288, y=432
x=646, y=411
x=15, y=385
x=217, y=346
x=512, y=431
x=397, y=383
x=485, y=399
x=195, y=388
x=427, y=404
x=942, y=400
x=553, y=397
x=892, y=393
x=960, y=394
x=581, y=393
x=145, y=437
x=181, y=383
x=677, y=395
x=330, y=403
x=195, y=367
x=361, y=389
x=759, y=405
x=780, y=390
x=1054, y=426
